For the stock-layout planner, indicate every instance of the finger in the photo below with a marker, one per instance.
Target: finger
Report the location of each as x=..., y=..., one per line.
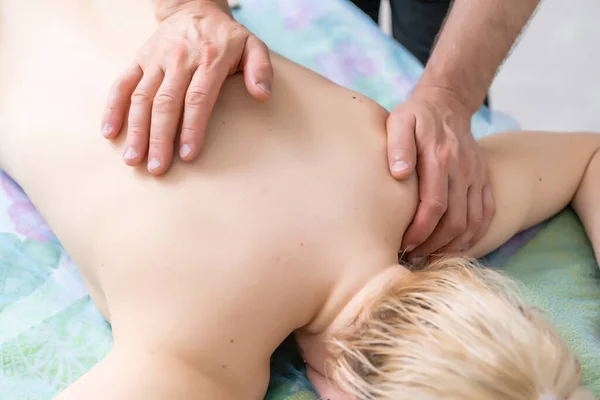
x=258, y=71
x=119, y=98
x=489, y=211
x=199, y=102
x=166, y=113
x=452, y=224
x=433, y=195
x=140, y=112
x=474, y=221
x=402, y=149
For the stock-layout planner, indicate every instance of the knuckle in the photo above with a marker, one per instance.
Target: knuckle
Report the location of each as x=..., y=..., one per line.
x=448, y=152
x=140, y=96
x=454, y=156
x=489, y=211
x=260, y=45
x=196, y=97
x=210, y=54
x=476, y=219
x=472, y=242
x=470, y=168
x=188, y=131
x=236, y=31
x=165, y=102
x=158, y=141
x=143, y=54
x=454, y=145
x=466, y=241
x=457, y=225
x=444, y=156
x=181, y=48
x=180, y=55
x=465, y=245
x=120, y=87
x=441, y=164
x=437, y=206
x=264, y=66
x=135, y=132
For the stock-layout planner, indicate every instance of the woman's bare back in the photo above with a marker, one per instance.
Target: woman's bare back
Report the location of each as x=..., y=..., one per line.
x=221, y=259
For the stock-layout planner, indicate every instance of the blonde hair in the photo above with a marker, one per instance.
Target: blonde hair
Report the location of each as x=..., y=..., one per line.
x=453, y=330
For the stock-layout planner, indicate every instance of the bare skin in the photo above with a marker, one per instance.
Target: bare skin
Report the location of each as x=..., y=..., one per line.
x=178, y=72
x=204, y=272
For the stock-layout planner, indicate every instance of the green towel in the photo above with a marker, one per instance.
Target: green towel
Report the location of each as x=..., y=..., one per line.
x=560, y=272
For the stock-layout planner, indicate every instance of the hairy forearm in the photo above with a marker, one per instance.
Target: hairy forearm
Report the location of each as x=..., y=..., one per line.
x=164, y=8
x=475, y=39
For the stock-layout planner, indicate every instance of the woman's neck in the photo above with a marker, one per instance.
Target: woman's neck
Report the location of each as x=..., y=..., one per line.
x=313, y=343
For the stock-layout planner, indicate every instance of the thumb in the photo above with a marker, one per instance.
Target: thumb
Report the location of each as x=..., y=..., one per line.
x=402, y=150
x=258, y=71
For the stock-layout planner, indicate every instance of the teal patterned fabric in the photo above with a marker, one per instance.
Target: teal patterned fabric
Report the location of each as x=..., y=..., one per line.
x=51, y=333
x=335, y=39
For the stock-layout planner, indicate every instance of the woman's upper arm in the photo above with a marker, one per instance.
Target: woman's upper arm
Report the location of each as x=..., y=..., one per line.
x=534, y=175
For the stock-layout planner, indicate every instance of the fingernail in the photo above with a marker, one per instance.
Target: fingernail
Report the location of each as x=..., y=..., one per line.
x=153, y=164
x=131, y=154
x=399, y=166
x=107, y=129
x=185, y=151
x=265, y=87
x=409, y=248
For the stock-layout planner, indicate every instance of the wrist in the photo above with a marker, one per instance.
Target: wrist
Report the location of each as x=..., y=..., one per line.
x=445, y=97
x=454, y=86
x=163, y=9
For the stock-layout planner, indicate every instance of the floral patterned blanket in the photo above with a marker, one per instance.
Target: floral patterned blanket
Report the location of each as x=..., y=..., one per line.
x=51, y=333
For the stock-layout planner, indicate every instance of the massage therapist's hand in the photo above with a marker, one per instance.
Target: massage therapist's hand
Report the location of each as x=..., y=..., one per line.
x=176, y=77
x=431, y=133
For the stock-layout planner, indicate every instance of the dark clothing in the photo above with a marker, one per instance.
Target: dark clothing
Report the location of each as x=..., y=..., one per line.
x=369, y=7
x=415, y=23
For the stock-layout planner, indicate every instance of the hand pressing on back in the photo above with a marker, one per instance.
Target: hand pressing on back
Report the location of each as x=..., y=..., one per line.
x=430, y=134
x=176, y=78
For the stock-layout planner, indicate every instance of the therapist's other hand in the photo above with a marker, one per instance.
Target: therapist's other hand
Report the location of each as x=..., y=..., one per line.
x=430, y=133
x=176, y=78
